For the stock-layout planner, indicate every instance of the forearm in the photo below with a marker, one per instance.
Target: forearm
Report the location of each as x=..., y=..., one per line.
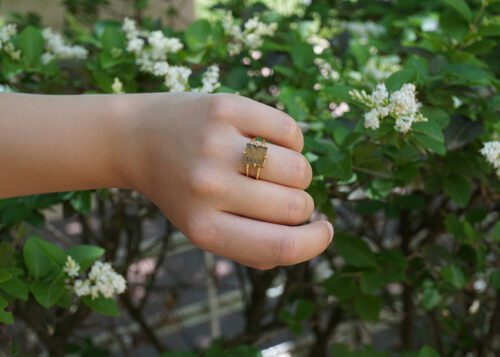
x=54, y=143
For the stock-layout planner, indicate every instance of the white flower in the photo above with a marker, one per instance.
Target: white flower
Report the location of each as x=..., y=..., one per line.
x=402, y=105
x=117, y=86
x=372, y=119
x=250, y=37
x=326, y=69
x=102, y=280
x=380, y=94
x=176, y=78
x=81, y=287
x=161, y=45
x=491, y=151
x=5, y=88
x=480, y=285
x=57, y=47
x=135, y=45
x=71, y=268
x=404, y=101
x=7, y=32
x=210, y=80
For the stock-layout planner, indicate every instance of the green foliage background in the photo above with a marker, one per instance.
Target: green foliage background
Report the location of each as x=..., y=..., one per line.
x=416, y=214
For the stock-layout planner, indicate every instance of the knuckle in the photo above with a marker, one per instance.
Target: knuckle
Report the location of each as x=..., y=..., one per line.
x=219, y=107
x=204, y=183
x=286, y=250
x=298, y=208
x=290, y=128
x=300, y=170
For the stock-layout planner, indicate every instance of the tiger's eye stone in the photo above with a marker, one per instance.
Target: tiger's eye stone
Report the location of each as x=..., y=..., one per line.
x=254, y=155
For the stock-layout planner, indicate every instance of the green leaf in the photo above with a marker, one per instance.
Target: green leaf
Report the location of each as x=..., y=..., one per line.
x=304, y=309
x=197, y=34
x=427, y=351
x=31, y=44
x=393, y=264
x=368, y=307
x=102, y=305
x=302, y=54
x=85, y=255
x=355, y=251
x=458, y=189
x=454, y=275
x=4, y=275
x=429, y=135
x=343, y=287
x=397, y=79
x=461, y=7
x=338, y=93
x=42, y=257
x=495, y=279
x=431, y=296
x=370, y=281
x=112, y=37
x=6, y=317
x=47, y=294
x=337, y=165
x=15, y=287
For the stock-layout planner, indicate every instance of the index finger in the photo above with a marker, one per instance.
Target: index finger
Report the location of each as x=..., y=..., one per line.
x=253, y=119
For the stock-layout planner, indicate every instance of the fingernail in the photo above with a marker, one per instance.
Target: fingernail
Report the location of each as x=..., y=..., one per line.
x=330, y=228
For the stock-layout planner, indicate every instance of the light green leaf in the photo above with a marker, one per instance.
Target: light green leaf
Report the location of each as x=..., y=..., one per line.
x=42, y=257
x=102, y=305
x=197, y=34
x=85, y=255
x=31, y=44
x=47, y=294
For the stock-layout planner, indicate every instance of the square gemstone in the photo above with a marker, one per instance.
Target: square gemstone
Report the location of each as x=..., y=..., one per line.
x=254, y=155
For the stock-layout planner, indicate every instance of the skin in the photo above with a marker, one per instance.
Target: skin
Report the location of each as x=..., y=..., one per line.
x=183, y=151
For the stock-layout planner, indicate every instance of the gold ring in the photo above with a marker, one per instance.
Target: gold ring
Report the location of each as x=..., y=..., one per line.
x=255, y=155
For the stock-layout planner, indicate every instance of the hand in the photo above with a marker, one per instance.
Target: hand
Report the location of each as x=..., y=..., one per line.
x=184, y=151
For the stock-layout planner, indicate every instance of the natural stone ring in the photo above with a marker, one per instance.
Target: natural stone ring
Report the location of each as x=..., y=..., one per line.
x=255, y=154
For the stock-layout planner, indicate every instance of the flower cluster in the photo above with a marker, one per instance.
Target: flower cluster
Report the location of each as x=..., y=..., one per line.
x=102, y=280
x=251, y=35
x=364, y=30
x=56, y=47
x=491, y=151
x=402, y=105
x=210, y=80
x=151, y=50
x=6, y=33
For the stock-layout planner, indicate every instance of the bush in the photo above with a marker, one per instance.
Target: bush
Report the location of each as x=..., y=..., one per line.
x=399, y=105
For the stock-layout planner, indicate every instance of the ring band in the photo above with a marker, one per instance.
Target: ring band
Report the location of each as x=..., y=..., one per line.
x=255, y=155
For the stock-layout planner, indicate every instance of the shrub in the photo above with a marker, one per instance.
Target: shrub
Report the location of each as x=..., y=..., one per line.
x=399, y=105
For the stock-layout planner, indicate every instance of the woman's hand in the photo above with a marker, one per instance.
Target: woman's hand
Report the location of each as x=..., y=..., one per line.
x=184, y=151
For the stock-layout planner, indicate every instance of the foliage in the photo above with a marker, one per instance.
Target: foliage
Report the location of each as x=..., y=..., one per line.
x=416, y=212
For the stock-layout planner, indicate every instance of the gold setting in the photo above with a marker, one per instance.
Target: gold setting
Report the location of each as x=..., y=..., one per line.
x=255, y=155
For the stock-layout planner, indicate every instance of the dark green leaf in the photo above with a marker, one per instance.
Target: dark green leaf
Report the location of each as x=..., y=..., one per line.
x=461, y=7
x=427, y=351
x=429, y=135
x=42, y=257
x=302, y=54
x=368, y=307
x=397, y=79
x=355, y=251
x=454, y=275
x=15, y=287
x=458, y=189
x=197, y=34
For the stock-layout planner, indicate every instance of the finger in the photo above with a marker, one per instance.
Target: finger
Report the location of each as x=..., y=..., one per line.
x=267, y=244
x=282, y=166
x=252, y=118
x=266, y=201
